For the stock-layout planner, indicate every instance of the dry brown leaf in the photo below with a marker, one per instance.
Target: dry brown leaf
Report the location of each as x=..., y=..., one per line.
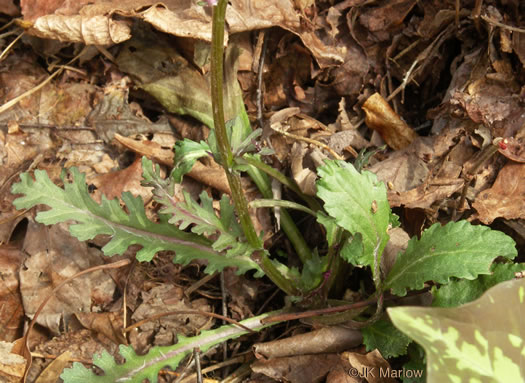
x=96, y=30
x=213, y=176
x=52, y=372
x=82, y=344
x=513, y=149
x=12, y=366
x=419, y=175
x=374, y=368
x=243, y=294
x=382, y=118
x=12, y=312
x=108, y=324
x=325, y=340
x=91, y=22
x=297, y=369
x=397, y=243
x=506, y=198
x=114, y=183
x=54, y=256
x=114, y=114
x=163, y=331
x=304, y=177
x=8, y=7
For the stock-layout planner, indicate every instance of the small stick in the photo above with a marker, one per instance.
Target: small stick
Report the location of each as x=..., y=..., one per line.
x=196, y=357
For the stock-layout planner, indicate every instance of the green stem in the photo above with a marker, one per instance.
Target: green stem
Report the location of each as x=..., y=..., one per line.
x=217, y=77
x=287, y=223
x=246, y=160
x=263, y=202
x=226, y=155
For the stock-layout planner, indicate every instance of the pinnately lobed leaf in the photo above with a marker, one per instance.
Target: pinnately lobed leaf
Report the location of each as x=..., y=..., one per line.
x=73, y=202
x=137, y=368
x=359, y=204
x=458, y=249
x=200, y=218
x=481, y=341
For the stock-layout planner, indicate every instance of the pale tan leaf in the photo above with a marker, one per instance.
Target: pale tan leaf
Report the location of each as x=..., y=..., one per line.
x=97, y=30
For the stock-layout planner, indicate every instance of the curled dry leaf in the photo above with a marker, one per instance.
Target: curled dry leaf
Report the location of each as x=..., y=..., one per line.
x=90, y=23
x=213, y=176
x=325, y=340
x=506, y=198
x=304, y=177
x=12, y=313
x=96, y=30
x=382, y=118
x=370, y=362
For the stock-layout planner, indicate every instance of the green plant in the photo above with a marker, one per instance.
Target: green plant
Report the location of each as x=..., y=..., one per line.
x=356, y=218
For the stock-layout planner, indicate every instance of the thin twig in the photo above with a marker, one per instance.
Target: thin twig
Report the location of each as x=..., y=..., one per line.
x=310, y=141
x=8, y=48
x=501, y=25
x=196, y=357
x=188, y=312
x=259, y=94
x=332, y=310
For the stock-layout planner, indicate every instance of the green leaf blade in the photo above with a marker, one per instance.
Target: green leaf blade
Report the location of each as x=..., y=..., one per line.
x=136, y=368
x=458, y=249
x=73, y=203
x=385, y=337
x=462, y=291
x=359, y=204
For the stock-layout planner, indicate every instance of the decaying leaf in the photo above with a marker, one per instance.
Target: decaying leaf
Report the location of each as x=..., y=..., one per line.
x=12, y=313
x=372, y=366
x=325, y=340
x=55, y=256
x=506, y=198
x=96, y=30
x=12, y=366
x=381, y=117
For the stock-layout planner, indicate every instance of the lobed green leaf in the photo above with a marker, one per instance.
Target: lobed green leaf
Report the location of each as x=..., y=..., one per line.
x=137, y=368
x=385, y=337
x=462, y=291
x=458, y=249
x=74, y=203
x=358, y=202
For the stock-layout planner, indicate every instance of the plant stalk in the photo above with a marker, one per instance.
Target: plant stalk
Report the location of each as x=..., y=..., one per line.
x=287, y=223
x=226, y=155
